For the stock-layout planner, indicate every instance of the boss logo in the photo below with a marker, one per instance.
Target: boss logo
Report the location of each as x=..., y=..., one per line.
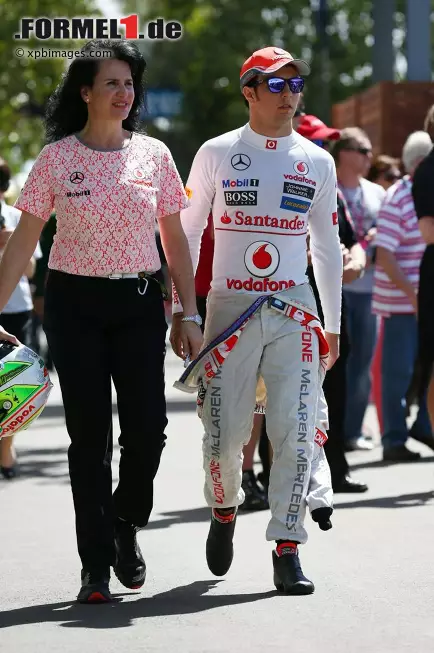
x=241, y=198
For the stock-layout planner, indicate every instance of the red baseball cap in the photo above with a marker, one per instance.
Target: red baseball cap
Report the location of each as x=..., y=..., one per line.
x=268, y=60
x=313, y=128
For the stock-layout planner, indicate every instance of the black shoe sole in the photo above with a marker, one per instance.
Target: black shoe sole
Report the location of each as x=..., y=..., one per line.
x=95, y=596
x=300, y=588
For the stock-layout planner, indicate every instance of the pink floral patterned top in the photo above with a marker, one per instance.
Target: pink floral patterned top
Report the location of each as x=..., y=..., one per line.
x=106, y=203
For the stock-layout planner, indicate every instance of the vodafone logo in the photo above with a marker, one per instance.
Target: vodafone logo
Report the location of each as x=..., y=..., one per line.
x=301, y=168
x=262, y=259
x=270, y=144
x=138, y=173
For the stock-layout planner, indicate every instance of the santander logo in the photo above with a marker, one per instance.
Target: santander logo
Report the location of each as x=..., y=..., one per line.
x=296, y=224
x=225, y=219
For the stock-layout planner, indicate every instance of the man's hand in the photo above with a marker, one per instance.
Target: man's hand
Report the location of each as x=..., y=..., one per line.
x=371, y=234
x=346, y=256
x=352, y=271
x=333, y=343
x=185, y=337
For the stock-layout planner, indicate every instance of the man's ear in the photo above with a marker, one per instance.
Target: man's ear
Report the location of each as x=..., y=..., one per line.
x=249, y=94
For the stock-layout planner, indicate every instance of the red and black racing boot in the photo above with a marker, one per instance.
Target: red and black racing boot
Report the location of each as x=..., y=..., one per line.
x=288, y=575
x=94, y=587
x=219, y=546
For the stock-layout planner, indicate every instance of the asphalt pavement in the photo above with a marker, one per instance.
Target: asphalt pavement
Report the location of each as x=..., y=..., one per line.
x=373, y=570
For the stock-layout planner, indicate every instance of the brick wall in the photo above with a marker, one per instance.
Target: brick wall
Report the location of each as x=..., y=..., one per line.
x=388, y=112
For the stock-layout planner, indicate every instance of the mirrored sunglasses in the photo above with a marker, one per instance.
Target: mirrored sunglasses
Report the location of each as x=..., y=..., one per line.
x=277, y=84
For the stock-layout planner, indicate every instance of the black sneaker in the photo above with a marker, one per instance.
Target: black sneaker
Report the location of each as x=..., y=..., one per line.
x=94, y=587
x=219, y=547
x=288, y=576
x=255, y=498
x=130, y=567
x=400, y=454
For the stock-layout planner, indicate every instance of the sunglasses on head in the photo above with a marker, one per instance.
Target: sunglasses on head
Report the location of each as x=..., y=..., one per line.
x=360, y=149
x=277, y=84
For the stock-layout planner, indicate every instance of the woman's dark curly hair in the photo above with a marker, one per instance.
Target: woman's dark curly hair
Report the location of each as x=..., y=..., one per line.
x=66, y=111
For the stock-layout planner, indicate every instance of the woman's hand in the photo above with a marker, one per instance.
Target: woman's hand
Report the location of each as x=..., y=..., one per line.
x=4, y=335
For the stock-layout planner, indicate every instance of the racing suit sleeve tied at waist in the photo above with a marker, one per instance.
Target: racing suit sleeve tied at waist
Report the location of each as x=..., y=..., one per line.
x=201, y=370
x=214, y=354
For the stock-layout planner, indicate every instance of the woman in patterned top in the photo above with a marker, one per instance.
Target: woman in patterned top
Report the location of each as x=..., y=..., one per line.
x=104, y=316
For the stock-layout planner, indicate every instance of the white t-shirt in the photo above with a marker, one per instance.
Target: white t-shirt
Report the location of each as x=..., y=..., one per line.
x=21, y=298
x=364, y=203
x=266, y=195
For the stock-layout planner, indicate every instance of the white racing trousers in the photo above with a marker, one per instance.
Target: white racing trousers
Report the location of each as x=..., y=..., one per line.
x=286, y=355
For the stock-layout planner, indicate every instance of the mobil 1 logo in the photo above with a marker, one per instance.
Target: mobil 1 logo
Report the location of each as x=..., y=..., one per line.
x=241, y=197
x=297, y=189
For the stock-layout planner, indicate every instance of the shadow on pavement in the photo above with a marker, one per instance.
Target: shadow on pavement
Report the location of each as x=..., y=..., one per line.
x=193, y=516
x=381, y=463
x=188, y=599
x=49, y=464
x=400, y=501
x=188, y=516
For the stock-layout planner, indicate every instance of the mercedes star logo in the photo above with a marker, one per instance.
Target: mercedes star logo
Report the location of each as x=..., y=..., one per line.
x=240, y=161
x=76, y=177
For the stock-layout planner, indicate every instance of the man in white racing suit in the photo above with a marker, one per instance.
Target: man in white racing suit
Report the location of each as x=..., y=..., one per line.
x=267, y=187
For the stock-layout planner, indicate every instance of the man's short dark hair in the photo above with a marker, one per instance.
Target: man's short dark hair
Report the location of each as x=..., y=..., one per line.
x=250, y=84
x=5, y=176
x=350, y=136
